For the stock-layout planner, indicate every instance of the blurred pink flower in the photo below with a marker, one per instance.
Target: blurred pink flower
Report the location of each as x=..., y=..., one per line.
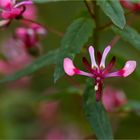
x=30, y=12
x=113, y=99
x=15, y=54
x=131, y=5
x=16, y=58
x=55, y=134
x=64, y=133
x=30, y=35
x=11, y=9
x=98, y=71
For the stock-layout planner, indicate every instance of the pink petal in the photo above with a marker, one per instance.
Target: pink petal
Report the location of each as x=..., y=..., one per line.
x=92, y=57
x=30, y=12
x=71, y=70
x=6, y=3
x=68, y=66
x=25, y=2
x=129, y=68
x=105, y=53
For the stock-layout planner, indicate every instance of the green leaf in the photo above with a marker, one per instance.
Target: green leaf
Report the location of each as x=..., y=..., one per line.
x=43, y=1
x=130, y=35
x=96, y=114
x=114, y=11
x=76, y=36
x=47, y=59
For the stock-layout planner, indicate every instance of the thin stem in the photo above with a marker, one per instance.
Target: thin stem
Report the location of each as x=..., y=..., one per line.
x=48, y=28
x=114, y=40
x=89, y=9
x=96, y=31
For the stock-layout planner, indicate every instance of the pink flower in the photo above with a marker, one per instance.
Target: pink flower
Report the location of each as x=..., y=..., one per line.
x=16, y=58
x=113, y=99
x=98, y=71
x=30, y=12
x=55, y=134
x=15, y=55
x=30, y=35
x=131, y=5
x=11, y=9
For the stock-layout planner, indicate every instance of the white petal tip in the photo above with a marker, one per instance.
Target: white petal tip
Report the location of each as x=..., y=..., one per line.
x=68, y=67
x=108, y=48
x=129, y=67
x=105, y=53
x=91, y=49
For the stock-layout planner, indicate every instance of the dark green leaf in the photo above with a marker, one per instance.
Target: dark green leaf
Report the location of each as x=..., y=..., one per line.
x=96, y=114
x=76, y=36
x=130, y=35
x=114, y=11
x=47, y=59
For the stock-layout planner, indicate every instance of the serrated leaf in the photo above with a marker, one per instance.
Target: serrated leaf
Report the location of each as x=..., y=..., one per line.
x=76, y=36
x=96, y=114
x=130, y=35
x=47, y=59
x=114, y=11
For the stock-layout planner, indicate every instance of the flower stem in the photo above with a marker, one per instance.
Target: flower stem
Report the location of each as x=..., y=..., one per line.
x=97, y=23
x=89, y=9
x=48, y=28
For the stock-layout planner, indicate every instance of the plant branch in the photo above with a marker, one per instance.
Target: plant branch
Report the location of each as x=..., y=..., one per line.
x=89, y=9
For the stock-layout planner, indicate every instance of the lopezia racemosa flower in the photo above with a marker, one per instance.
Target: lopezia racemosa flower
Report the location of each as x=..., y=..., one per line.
x=12, y=9
x=30, y=35
x=16, y=58
x=98, y=71
x=113, y=99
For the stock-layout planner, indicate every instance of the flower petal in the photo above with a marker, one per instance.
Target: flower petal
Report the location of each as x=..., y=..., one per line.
x=128, y=68
x=26, y=2
x=92, y=57
x=69, y=67
x=105, y=53
x=71, y=70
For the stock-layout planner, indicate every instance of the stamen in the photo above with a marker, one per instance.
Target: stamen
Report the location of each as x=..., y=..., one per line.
x=96, y=87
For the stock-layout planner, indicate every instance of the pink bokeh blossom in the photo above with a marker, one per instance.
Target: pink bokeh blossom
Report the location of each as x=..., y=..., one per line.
x=16, y=58
x=113, y=99
x=12, y=9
